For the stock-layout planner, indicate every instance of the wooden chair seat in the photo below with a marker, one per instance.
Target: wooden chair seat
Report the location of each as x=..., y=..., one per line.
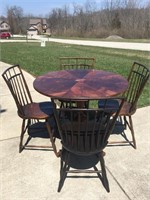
x=125, y=110
x=34, y=110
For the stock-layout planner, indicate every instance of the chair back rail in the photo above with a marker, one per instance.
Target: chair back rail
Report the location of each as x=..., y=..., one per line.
x=69, y=63
x=85, y=131
x=137, y=78
x=17, y=85
x=76, y=63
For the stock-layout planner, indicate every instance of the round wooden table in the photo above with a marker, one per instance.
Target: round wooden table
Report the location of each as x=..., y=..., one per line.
x=80, y=84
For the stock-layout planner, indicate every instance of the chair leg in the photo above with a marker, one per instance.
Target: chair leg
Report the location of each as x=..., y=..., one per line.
x=125, y=122
x=130, y=126
x=104, y=176
x=52, y=139
x=63, y=174
x=132, y=131
x=64, y=167
x=61, y=104
x=87, y=104
x=23, y=130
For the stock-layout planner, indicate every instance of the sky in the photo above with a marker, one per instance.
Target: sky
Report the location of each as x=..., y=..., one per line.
x=43, y=7
x=40, y=7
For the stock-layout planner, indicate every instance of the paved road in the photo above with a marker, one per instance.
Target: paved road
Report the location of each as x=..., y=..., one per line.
x=118, y=45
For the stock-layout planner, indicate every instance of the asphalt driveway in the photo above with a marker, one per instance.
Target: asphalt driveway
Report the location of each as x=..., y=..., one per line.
x=118, y=45
x=107, y=44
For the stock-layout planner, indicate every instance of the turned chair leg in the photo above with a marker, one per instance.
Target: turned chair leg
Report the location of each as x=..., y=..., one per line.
x=64, y=168
x=132, y=132
x=129, y=124
x=104, y=176
x=23, y=130
x=52, y=139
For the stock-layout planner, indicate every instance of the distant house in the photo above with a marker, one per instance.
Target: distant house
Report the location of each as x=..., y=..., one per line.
x=37, y=27
x=32, y=30
x=4, y=26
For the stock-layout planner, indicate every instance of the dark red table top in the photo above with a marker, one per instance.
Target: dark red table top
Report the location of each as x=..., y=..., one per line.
x=80, y=84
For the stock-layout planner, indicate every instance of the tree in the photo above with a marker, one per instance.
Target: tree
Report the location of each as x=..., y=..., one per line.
x=15, y=17
x=116, y=23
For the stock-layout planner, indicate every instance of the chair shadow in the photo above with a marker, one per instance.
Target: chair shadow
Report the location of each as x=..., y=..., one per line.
x=2, y=110
x=81, y=164
x=39, y=130
x=119, y=129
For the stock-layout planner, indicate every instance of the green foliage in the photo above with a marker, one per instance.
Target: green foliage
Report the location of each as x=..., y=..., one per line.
x=38, y=60
x=116, y=23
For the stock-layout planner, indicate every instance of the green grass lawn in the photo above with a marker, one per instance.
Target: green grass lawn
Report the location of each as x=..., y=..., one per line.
x=38, y=60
